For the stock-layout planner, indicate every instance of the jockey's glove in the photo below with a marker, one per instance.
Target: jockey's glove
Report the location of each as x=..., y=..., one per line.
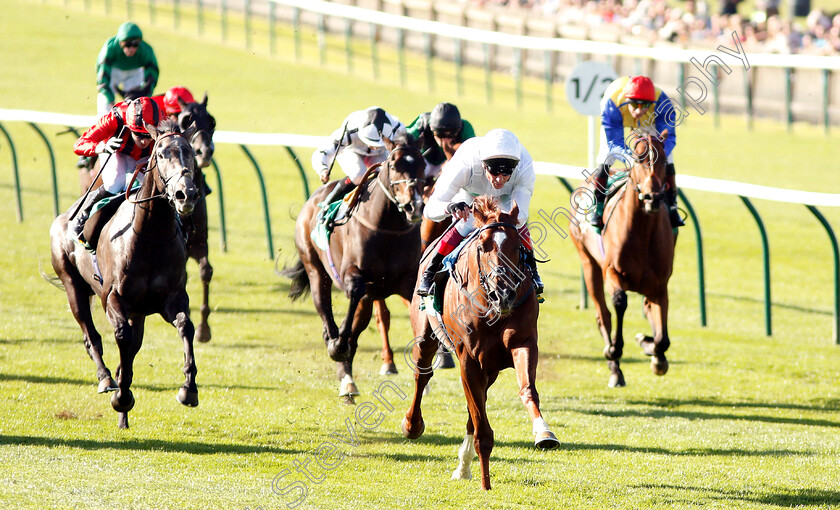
x=109, y=146
x=457, y=206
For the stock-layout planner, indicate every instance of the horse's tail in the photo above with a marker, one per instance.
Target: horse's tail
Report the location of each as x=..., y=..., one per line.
x=52, y=279
x=300, y=281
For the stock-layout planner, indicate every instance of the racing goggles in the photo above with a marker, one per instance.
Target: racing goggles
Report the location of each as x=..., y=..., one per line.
x=131, y=43
x=500, y=166
x=640, y=103
x=445, y=133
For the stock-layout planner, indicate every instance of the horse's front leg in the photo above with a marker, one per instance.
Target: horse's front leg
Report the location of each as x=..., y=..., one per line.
x=344, y=369
x=124, y=333
x=177, y=313
x=424, y=347
x=655, y=346
x=383, y=324
x=354, y=287
x=205, y=271
x=614, y=351
x=475, y=383
x=320, y=286
x=525, y=364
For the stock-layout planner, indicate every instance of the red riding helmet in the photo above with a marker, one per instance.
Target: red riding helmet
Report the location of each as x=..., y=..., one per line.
x=640, y=87
x=140, y=111
x=170, y=99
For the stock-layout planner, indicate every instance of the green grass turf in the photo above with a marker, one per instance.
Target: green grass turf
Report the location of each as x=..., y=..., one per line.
x=741, y=420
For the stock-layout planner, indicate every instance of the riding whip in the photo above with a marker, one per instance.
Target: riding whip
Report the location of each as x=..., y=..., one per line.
x=101, y=167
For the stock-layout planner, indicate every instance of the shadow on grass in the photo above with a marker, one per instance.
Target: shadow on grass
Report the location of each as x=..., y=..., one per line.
x=788, y=499
x=265, y=310
x=144, y=444
x=831, y=405
x=92, y=383
x=711, y=416
x=775, y=303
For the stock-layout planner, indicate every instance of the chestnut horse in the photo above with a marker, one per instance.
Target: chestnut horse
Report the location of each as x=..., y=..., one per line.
x=195, y=116
x=490, y=313
x=139, y=267
x=635, y=253
x=373, y=256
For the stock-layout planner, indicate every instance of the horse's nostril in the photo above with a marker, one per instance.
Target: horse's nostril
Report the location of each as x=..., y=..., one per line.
x=180, y=196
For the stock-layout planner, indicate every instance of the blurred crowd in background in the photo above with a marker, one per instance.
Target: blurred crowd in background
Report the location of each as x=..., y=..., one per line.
x=693, y=23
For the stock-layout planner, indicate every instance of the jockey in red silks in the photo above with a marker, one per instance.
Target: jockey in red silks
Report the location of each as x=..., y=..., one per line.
x=495, y=165
x=633, y=102
x=119, y=152
x=168, y=103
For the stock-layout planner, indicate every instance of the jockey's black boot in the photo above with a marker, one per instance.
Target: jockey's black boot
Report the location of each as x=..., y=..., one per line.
x=76, y=226
x=343, y=187
x=596, y=217
x=531, y=262
x=428, y=277
x=671, y=200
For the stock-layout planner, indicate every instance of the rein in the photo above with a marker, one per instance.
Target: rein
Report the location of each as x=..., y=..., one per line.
x=152, y=165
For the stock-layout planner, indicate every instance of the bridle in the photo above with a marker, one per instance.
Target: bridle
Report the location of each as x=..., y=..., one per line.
x=414, y=184
x=654, y=197
x=501, y=271
x=152, y=165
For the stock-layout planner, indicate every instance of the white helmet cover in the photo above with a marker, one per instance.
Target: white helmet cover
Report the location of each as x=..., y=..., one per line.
x=376, y=126
x=499, y=143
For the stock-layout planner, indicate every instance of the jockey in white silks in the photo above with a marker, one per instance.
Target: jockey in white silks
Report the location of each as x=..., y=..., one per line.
x=495, y=165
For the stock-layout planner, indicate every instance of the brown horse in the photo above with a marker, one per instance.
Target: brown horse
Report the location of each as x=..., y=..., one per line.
x=192, y=116
x=635, y=253
x=490, y=313
x=139, y=267
x=373, y=256
x=429, y=232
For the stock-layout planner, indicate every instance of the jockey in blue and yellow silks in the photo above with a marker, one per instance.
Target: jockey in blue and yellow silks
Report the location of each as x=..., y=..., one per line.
x=633, y=102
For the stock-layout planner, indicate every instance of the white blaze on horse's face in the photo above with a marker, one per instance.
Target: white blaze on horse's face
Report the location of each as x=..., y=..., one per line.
x=501, y=273
x=648, y=183
x=175, y=161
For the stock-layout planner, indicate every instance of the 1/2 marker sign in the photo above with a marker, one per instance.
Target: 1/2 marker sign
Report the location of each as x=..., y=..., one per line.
x=586, y=84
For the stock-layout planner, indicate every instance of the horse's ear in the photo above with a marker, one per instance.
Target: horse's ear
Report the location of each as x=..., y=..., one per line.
x=182, y=103
x=190, y=131
x=152, y=130
x=389, y=145
x=204, y=101
x=514, y=211
x=663, y=135
x=479, y=212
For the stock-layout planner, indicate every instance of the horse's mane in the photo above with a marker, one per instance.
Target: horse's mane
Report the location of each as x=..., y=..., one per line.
x=168, y=125
x=486, y=210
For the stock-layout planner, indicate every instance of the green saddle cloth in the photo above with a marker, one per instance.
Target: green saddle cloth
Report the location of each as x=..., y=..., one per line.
x=321, y=233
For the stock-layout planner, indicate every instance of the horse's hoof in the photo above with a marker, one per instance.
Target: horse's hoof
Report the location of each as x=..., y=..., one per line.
x=546, y=440
x=187, y=397
x=444, y=360
x=659, y=365
x=462, y=473
x=411, y=434
x=120, y=404
x=616, y=381
x=337, y=351
x=348, y=400
x=107, y=384
x=347, y=387
x=388, y=369
x=202, y=333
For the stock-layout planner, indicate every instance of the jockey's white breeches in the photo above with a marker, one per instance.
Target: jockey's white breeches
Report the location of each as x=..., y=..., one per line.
x=355, y=165
x=118, y=170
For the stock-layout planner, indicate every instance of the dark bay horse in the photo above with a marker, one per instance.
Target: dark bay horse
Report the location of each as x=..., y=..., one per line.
x=490, y=313
x=195, y=116
x=139, y=268
x=429, y=232
x=636, y=254
x=373, y=256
